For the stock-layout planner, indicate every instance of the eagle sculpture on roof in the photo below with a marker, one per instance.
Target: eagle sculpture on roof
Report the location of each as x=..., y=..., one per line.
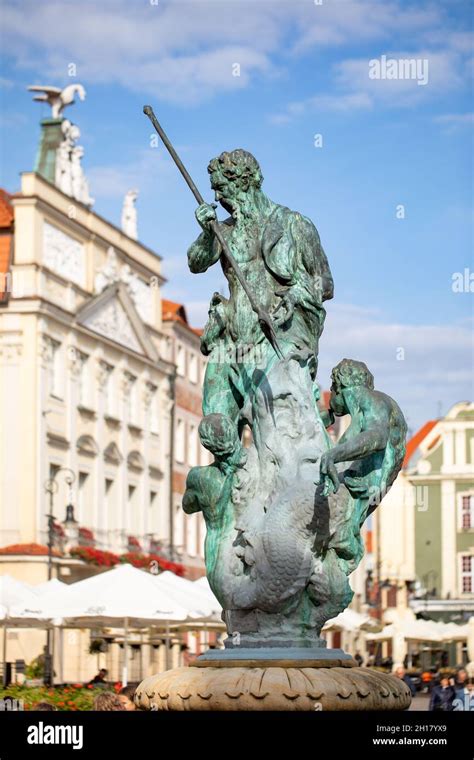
x=58, y=98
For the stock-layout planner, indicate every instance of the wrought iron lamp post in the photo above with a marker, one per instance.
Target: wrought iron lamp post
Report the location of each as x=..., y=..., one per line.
x=71, y=530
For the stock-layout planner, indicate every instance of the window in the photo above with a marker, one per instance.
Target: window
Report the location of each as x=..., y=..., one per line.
x=179, y=441
x=132, y=517
x=181, y=361
x=467, y=574
x=191, y=534
x=82, y=496
x=110, y=511
x=84, y=379
x=53, y=471
x=132, y=399
x=193, y=368
x=109, y=390
x=55, y=370
x=193, y=446
x=467, y=511
x=153, y=496
x=154, y=410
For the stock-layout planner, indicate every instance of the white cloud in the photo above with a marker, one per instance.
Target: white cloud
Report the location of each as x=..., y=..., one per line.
x=436, y=371
x=353, y=101
x=183, y=50
x=175, y=51
x=354, y=89
x=337, y=22
x=452, y=122
x=113, y=180
x=437, y=364
x=444, y=75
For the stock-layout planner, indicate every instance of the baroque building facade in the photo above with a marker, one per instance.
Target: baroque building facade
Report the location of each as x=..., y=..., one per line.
x=424, y=528
x=88, y=383
x=183, y=344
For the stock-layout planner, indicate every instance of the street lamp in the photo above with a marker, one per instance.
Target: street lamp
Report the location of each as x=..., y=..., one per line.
x=71, y=531
x=71, y=528
x=70, y=524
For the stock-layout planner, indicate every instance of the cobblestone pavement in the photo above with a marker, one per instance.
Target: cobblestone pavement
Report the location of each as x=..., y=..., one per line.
x=420, y=702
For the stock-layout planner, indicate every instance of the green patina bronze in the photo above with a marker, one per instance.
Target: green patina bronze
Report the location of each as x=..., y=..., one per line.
x=284, y=513
x=51, y=138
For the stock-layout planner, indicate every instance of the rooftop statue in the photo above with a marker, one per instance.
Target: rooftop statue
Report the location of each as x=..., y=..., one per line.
x=129, y=214
x=59, y=158
x=58, y=98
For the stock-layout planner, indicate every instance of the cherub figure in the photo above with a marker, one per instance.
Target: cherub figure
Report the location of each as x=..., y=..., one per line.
x=208, y=488
x=374, y=443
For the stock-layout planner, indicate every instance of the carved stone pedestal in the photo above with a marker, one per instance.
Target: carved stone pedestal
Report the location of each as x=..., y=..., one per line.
x=272, y=686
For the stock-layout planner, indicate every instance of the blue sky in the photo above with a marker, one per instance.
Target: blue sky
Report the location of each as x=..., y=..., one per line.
x=303, y=71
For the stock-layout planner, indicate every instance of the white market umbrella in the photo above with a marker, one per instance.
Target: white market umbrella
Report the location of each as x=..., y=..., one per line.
x=349, y=620
x=203, y=585
x=121, y=597
x=12, y=592
x=422, y=630
x=52, y=585
x=123, y=592
x=199, y=603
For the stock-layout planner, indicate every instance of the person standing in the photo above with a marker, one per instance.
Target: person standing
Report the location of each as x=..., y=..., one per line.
x=401, y=673
x=442, y=696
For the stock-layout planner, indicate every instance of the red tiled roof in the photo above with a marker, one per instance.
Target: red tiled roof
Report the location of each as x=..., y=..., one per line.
x=5, y=263
x=176, y=312
x=325, y=396
x=36, y=550
x=434, y=442
x=6, y=209
x=415, y=441
x=6, y=239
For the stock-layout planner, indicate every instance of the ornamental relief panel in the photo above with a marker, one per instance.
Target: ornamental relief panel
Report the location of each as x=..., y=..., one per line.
x=63, y=254
x=113, y=322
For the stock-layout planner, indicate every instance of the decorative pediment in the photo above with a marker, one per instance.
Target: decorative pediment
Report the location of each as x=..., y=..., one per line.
x=112, y=322
x=112, y=454
x=113, y=315
x=135, y=461
x=86, y=445
x=155, y=472
x=57, y=440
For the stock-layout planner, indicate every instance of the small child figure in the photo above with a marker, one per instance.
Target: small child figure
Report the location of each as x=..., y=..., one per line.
x=374, y=443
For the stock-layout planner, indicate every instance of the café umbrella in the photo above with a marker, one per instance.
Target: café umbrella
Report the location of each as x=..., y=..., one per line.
x=121, y=597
